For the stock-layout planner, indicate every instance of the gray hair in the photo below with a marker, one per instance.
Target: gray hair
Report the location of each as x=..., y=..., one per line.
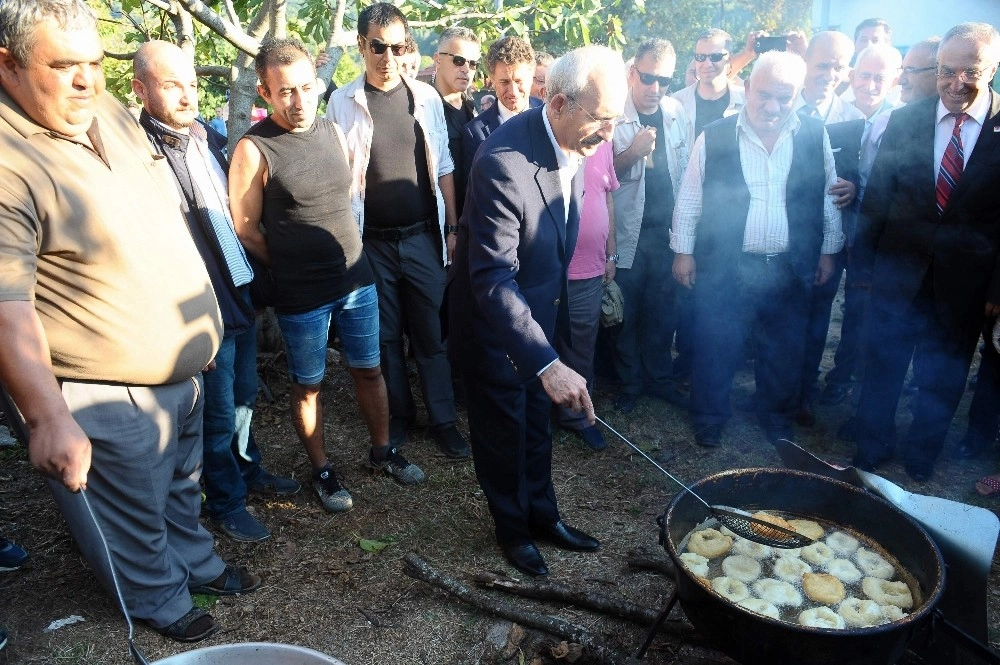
x=782, y=66
x=890, y=55
x=981, y=33
x=931, y=44
x=20, y=18
x=570, y=74
x=457, y=32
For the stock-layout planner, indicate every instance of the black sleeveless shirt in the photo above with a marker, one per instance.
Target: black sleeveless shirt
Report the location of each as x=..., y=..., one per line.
x=312, y=237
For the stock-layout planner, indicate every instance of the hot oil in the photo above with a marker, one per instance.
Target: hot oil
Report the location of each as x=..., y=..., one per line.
x=790, y=614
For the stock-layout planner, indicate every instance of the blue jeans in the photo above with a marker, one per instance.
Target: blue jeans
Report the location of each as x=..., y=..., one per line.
x=355, y=317
x=232, y=458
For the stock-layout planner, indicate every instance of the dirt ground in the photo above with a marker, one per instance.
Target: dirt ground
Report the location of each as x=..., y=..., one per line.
x=323, y=591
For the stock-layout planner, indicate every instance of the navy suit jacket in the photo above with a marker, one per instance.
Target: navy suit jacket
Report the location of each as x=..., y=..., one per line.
x=507, y=284
x=900, y=235
x=484, y=124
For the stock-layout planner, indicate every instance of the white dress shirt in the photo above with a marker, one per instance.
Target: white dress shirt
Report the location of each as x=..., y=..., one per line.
x=970, y=130
x=766, y=177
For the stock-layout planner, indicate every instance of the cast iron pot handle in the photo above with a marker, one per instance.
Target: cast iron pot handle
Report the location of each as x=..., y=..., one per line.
x=974, y=646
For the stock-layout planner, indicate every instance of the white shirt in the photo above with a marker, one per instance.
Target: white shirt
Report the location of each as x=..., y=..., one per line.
x=766, y=176
x=970, y=130
x=505, y=113
x=832, y=110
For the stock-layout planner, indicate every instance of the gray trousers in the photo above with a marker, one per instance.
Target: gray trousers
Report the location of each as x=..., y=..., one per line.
x=584, y=324
x=409, y=278
x=143, y=486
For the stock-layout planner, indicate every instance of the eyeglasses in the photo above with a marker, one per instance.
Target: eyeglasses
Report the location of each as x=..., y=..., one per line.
x=379, y=47
x=910, y=71
x=459, y=61
x=714, y=57
x=606, y=122
x=650, y=79
x=967, y=76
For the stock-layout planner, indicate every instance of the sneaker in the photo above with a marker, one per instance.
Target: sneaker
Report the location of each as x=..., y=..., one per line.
x=331, y=493
x=12, y=555
x=451, y=442
x=268, y=483
x=242, y=526
x=398, y=467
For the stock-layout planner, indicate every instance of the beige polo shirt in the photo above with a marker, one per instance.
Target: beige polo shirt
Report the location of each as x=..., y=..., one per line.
x=97, y=241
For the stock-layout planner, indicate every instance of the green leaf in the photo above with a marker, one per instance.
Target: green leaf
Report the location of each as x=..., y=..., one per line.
x=204, y=600
x=372, y=545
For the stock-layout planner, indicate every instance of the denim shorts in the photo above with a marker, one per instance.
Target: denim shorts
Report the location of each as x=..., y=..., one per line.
x=355, y=317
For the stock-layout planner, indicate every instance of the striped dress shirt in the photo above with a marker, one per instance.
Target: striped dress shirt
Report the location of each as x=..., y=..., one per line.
x=766, y=177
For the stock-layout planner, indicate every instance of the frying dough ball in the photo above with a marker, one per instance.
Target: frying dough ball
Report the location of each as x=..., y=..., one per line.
x=752, y=549
x=844, y=570
x=741, y=567
x=857, y=612
x=726, y=531
x=823, y=588
x=777, y=592
x=842, y=543
x=696, y=563
x=790, y=569
x=709, y=543
x=817, y=553
x=807, y=528
x=893, y=613
x=758, y=606
x=873, y=564
x=885, y=592
x=822, y=617
x=731, y=589
x=766, y=532
x=793, y=553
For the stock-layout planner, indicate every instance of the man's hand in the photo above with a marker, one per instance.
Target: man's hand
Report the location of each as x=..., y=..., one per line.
x=60, y=450
x=843, y=192
x=797, y=43
x=567, y=388
x=824, y=271
x=644, y=142
x=450, y=240
x=684, y=269
x=610, y=268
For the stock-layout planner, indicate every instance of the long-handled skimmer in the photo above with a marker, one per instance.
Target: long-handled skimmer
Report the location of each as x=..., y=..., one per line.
x=738, y=521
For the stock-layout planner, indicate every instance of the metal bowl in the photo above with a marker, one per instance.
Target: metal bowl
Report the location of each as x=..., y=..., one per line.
x=250, y=653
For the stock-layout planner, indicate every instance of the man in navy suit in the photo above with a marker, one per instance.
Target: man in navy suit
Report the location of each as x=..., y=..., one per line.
x=510, y=62
x=931, y=250
x=507, y=296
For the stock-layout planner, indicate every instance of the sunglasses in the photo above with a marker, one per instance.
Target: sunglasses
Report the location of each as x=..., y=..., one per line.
x=459, y=61
x=379, y=47
x=714, y=57
x=650, y=79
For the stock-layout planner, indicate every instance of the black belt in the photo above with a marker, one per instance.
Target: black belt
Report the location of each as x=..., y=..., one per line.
x=767, y=258
x=395, y=232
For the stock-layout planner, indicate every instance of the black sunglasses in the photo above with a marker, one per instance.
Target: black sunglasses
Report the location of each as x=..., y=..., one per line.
x=380, y=47
x=459, y=61
x=650, y=79
x=714, y=57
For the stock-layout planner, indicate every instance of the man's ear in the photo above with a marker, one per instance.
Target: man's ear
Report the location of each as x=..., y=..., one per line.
x=8, y=67
x=557, y=103
x=139, y=89
x=263, y=92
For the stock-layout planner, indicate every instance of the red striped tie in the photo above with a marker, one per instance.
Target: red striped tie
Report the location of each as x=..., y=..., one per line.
x=951, y=164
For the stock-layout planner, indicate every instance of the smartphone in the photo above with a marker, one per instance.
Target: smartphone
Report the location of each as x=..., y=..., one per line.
x=770, y=44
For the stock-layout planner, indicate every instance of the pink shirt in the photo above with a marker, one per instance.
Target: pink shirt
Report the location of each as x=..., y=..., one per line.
x=598, y=179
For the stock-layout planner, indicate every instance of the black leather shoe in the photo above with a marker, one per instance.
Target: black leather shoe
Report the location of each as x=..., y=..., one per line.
x=626, y=403
x=921, y=473
x=970, y=447
x=526, y=558
x=451, y=442
x=835, y=393
x=805, y=417
x=563, y=535
x=670, y=394
x=708, y=436
x=848, y=431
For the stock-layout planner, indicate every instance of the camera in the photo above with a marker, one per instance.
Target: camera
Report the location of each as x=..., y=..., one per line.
x=770, y=44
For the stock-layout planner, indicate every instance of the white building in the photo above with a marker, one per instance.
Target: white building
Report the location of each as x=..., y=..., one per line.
x=911, y=20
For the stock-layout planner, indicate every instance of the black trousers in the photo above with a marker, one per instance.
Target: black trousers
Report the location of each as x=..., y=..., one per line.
x=769, y=295
x=511, y=439
x=942, y=350
x=984, y=412
x=818, y=325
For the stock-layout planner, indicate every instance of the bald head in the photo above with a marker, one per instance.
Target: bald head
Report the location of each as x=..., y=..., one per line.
x=828, y=58
x=165, y=81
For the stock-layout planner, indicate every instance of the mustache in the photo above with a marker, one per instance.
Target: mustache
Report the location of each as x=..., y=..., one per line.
x=592, y=141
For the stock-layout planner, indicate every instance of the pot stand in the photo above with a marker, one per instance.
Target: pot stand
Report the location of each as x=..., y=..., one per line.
x=655, y=628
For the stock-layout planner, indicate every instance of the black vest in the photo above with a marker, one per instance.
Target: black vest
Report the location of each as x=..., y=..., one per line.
x=726, y=200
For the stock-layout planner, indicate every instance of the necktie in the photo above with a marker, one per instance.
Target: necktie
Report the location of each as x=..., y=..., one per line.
x=951, y=164
x=808, y=111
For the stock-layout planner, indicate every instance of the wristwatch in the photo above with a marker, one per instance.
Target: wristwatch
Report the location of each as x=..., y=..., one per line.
x=613, y=258
x=451, y=228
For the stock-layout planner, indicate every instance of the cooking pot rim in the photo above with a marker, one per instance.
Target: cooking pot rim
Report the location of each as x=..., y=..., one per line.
x=932, y=597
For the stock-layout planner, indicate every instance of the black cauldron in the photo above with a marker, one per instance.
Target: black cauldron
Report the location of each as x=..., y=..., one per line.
x=753, y=639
